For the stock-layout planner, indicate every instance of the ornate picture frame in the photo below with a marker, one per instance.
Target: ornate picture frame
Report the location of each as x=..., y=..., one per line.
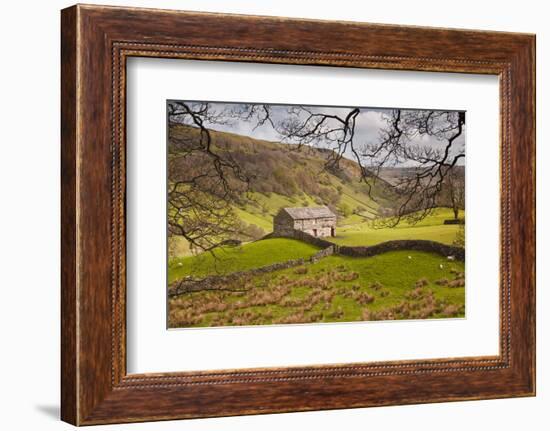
x=96, y=42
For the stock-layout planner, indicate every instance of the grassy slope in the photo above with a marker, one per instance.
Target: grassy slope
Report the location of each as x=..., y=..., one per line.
x=394, y=270
x=253, y=214
x=430, y=228
x=261, y=253
x=233, y=259
x=398, y=272
x=258, y=207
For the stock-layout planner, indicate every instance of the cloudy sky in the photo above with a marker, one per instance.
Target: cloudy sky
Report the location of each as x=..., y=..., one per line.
x=369, y=123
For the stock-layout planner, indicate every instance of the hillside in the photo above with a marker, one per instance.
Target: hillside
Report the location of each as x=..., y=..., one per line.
x=393, y=174
x=288, y=176
x=283, y=280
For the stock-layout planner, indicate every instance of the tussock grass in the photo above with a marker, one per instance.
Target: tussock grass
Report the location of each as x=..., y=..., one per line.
x=335, y=289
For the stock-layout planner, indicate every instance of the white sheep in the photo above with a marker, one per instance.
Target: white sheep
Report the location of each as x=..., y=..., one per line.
x=450, y=258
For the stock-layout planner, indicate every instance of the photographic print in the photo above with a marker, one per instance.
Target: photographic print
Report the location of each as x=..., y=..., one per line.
x=299, y=214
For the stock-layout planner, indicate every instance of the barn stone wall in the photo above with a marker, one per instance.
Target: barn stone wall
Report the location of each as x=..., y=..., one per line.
x=284, y=225
x=323, y=226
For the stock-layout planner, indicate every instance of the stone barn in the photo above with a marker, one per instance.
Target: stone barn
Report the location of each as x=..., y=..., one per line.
x=316, y=221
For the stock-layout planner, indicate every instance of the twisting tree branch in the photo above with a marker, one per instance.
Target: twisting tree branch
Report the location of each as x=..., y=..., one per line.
x=205, y=180
x=423, y=141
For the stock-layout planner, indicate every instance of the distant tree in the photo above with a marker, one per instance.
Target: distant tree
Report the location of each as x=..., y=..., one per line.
x=329, y=196
x=359, y=209
x=251, y=232
x=454, y=191
x=344, y=209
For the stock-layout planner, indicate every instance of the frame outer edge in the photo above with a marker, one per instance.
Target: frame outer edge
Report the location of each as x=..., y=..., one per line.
x=533, y=54
x=523, y=216
x=530, y=63
x=87, y=395
x=532, y=79
x=69, y=196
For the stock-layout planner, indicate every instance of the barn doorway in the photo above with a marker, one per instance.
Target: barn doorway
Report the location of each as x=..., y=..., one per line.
x=332, y=232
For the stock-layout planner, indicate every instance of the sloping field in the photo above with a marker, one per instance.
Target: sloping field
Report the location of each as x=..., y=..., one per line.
x=430, y=228
x=233, y=259
x=394, y=285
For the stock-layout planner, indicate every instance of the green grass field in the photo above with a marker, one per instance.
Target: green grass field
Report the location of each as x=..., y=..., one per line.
x=394, y=285
x=261, y=253
x=430, y=228
x=233, y=259
x=353, y=230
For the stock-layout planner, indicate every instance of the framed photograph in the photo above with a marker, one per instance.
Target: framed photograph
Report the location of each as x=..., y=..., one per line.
x=260, y=217
x=281, y=214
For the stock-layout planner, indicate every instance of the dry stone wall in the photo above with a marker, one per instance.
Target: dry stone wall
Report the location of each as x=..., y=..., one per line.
x=454, y=252
x=220, y=282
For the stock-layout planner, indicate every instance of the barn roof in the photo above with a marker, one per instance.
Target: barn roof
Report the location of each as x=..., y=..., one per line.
x=301, y=213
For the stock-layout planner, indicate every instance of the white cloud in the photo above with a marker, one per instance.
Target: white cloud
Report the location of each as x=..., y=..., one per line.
x=369, y=123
